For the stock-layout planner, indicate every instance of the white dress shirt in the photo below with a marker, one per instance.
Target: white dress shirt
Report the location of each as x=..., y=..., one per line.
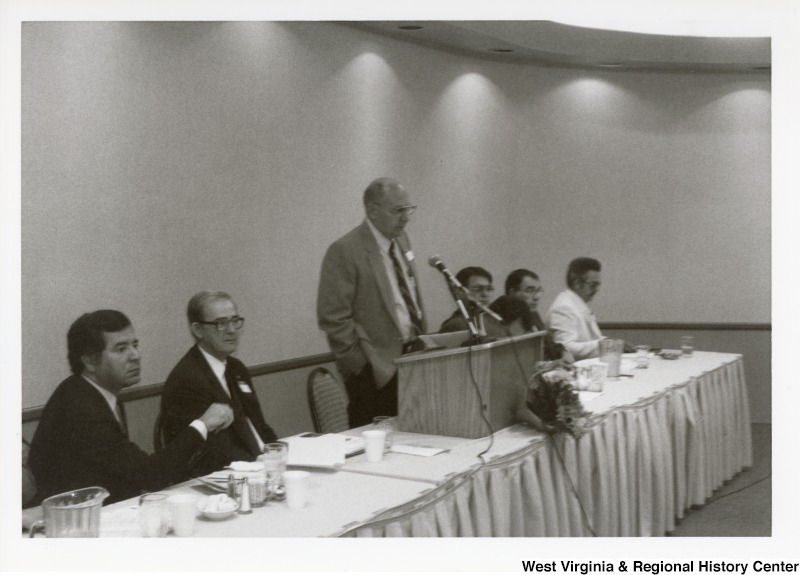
x=574, y=325
x=400, y=308
x=218, y=367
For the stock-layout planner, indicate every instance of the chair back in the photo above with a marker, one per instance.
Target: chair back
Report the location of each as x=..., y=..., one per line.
x=159, y=439
x=327, y=401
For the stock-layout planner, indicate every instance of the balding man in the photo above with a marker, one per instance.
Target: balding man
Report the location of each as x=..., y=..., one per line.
x=368, y=303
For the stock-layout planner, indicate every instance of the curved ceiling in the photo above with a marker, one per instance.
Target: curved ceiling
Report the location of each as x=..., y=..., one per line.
x=546, y=43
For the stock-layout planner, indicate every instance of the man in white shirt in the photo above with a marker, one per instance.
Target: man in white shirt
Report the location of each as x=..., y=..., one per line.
x=572, y=322
x=207, y=374
x=368, y=302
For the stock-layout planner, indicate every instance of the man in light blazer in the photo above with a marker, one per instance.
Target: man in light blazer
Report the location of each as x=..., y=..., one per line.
x=368, y=302
x=569, y=317
x=207, y=374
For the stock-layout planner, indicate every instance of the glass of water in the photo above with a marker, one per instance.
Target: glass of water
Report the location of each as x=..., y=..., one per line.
x=687, y=345
x=385, y=423
x=274, y=459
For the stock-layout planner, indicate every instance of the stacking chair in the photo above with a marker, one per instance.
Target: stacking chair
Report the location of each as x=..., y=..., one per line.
x=327, y=401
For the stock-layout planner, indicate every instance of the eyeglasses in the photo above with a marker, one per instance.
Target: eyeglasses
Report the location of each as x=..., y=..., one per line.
x=482, y=289
x=593, y=285
x=236, y=322
x=399, y=210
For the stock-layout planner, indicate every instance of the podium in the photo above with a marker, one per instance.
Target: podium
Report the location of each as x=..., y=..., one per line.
x=437, y=394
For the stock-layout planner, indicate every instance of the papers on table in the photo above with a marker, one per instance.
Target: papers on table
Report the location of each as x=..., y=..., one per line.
x=414, y=450
x=327, y=450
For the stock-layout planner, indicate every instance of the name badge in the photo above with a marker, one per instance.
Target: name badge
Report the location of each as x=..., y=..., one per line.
x=409, y=256
x=244, y=387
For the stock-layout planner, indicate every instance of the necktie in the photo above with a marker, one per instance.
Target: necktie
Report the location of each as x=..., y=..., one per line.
x=413, y=311
x=121, y=418
x=240, y=425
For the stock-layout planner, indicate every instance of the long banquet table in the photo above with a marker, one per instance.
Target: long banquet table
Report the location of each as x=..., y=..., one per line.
x=659, y=443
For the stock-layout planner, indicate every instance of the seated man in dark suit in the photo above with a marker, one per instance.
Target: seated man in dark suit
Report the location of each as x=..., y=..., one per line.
x=81, y=440
x=208, y=374
x=525, y=285
x=479, y=283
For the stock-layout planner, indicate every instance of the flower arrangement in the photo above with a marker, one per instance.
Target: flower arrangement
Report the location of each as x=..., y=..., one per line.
x=553, y=398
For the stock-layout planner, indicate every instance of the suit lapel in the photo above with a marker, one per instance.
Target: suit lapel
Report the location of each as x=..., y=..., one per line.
x=101, y=404
x=210, y=379
x=405, y=247
x=375, y=259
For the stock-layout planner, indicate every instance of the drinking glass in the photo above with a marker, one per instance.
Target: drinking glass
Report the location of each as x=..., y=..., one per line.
x=385, y=423
x=153, y=514
x=687, y=345
x=274, y=459
x=642, y=356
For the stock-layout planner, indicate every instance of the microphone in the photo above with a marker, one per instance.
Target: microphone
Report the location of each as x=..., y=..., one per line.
x=436, y=262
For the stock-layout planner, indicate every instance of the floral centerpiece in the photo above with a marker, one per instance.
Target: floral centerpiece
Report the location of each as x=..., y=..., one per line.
x=553, y=398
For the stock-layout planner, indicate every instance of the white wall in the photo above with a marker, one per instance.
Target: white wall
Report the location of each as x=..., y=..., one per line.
x=164, y=158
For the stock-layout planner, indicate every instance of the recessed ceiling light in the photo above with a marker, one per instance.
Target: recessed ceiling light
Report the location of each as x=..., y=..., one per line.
x=410, y=27
x=502, y=50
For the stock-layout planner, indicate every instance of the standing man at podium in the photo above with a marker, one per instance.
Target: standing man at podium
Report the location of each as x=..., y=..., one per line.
x=368, y=302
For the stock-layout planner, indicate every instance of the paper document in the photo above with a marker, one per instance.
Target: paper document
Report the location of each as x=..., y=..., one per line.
x=421, y=451
x=323, y=451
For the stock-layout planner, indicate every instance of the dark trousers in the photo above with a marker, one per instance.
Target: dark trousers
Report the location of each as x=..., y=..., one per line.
x=367, y=400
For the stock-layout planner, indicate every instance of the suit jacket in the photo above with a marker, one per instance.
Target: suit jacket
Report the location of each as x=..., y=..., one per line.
x=355, y=305
x=552, y=350
x=79, y=443
x=191, y=388
x=456, y=322
x=574, y=325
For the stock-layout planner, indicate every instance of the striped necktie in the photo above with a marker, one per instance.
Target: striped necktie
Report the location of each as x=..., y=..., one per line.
x=413, y=311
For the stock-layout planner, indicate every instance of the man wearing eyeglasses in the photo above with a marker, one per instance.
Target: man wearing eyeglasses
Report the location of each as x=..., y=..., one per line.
x=525, y=285
x=569, y=316
x=207, y=374
x=479, y=283
x=368, y=301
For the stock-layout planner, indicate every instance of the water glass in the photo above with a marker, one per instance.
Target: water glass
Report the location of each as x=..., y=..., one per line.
x=642, y=356
x=153, y=514
x=597, y=376
x=385, y=423
x=611, y=354
x=274, y=459
x=687, y=345
x=583, y=377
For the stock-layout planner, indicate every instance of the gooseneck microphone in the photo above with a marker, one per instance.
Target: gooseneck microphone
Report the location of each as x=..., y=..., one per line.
x=436, y=262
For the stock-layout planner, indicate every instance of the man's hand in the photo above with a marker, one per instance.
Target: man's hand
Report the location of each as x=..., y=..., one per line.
x=217, y=416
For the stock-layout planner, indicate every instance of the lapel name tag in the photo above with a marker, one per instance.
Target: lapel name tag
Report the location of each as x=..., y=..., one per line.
x=244, y=387
x=409, y=256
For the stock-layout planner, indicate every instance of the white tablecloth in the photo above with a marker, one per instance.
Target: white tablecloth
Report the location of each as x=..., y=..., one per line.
x=660, y=443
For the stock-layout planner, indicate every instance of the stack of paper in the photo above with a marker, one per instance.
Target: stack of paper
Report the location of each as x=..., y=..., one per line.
x=323, y=451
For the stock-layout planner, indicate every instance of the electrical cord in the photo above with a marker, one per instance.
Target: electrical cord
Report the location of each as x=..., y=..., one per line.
x=549, y=433
x=748, y=486
x=481, y=404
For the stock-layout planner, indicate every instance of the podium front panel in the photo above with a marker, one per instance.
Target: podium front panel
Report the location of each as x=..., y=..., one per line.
x=446, y=392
